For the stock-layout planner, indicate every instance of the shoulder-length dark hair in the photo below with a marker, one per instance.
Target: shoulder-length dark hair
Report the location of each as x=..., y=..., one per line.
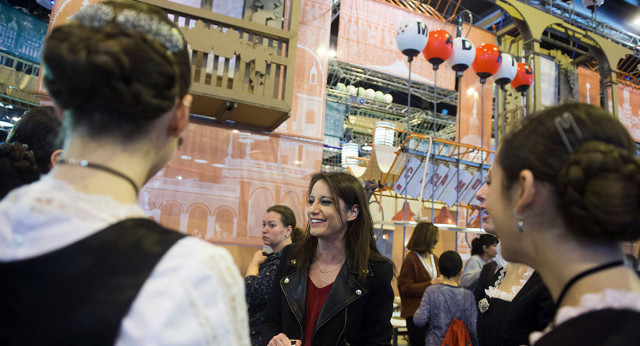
x=359, y=242
x=424, y=237
x=478, y=244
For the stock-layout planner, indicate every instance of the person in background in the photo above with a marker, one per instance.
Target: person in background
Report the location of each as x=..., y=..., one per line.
x=564, y=191
x=39, y=129
x=17, y=167
x=483, y=250
x=442, y=303
x=35, y=137
x=515, y=302
x=419, y=271
x=336, y=287
x=278, y=231
x=80, y=262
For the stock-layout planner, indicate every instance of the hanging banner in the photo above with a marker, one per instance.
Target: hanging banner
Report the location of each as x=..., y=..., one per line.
x=588, y=86
x=366, y=38
x=307, y=109
x=548, y=81
x=474, y=122
x=220, y=183
x=629, y=109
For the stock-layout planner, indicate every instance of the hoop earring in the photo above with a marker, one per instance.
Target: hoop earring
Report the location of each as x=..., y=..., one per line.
x=520, y=220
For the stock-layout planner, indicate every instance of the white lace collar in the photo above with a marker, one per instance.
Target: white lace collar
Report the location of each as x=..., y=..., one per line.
x=607, y=299
x=50, y=214
x=494, y=292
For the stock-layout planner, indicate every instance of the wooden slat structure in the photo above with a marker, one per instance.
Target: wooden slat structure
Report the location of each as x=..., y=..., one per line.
x=242, y=72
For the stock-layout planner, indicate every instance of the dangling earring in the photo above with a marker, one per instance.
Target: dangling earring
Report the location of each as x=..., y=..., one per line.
x=520, y=220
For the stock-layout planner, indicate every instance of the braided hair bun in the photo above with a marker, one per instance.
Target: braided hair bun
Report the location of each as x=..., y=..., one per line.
x=600, y=188
x=113, y=77
x=17, y=167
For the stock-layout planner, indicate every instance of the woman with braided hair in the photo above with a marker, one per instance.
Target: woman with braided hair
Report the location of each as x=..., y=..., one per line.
x=80, y=262
x=17, y=167
x=563, y=192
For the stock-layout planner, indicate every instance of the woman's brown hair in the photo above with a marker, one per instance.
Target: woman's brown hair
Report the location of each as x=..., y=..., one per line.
x=424, y=238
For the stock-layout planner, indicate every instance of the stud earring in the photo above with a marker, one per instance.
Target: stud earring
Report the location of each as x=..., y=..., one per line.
x=520, y=220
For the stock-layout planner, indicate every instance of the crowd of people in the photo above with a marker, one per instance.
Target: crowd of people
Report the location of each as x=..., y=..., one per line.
x=82, y=264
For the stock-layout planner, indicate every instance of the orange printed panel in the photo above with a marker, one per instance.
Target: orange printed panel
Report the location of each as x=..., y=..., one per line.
x=629, y=110
x=367, y=38
x=221, y=181
x=588, y=86
x=307, y=110
x=475, y=123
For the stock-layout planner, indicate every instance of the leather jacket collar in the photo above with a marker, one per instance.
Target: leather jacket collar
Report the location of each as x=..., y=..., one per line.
x=346, y=289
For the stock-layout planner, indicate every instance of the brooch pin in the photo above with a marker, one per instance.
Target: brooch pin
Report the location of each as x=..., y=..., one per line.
x=483, y=305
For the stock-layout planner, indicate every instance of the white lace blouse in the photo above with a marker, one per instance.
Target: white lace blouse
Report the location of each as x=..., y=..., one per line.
x=607, y=299
x=194, y=295
x=508, y=296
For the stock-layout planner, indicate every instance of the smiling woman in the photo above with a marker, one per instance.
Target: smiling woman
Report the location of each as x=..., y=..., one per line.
x=335, y=286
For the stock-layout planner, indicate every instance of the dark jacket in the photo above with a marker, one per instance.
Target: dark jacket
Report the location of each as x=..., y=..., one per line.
x=353, y=314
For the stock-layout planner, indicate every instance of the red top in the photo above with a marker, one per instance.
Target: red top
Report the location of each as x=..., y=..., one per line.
x=315, y=300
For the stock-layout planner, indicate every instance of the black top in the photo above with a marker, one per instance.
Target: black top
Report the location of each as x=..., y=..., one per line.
x=510, y=323
x=607, y=327
x=79, y=294
x=485, y=280
x=257, y=289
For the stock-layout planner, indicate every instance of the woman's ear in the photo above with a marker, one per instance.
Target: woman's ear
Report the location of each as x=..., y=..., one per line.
x=181, y=116
x=526, y=193
x=288, y=231
x=55, y=156
x=352, y=214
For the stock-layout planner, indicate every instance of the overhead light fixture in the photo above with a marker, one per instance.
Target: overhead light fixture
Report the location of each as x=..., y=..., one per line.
x=349, y=153
x=400, y=215
x=444, y=219
x=385, y=133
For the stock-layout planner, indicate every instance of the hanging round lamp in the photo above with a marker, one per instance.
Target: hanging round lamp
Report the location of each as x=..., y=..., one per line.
x=411, y=37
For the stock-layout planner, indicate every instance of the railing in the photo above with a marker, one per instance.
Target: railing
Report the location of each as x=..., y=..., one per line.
x=18, y=79
x=242, y=72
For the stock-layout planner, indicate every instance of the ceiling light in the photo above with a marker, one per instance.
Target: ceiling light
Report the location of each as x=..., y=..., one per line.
x=400, y=215
x=444, y=219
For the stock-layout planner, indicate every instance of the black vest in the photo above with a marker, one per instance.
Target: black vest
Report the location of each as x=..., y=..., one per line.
x=78, y=295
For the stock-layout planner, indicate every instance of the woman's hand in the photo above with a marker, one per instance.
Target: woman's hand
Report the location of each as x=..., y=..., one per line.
x=282, y=340
x=254, y=267
x=437, y=280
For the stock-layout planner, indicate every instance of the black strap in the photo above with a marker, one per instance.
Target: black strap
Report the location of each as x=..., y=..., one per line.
x=85, y=163
x=582, y=274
